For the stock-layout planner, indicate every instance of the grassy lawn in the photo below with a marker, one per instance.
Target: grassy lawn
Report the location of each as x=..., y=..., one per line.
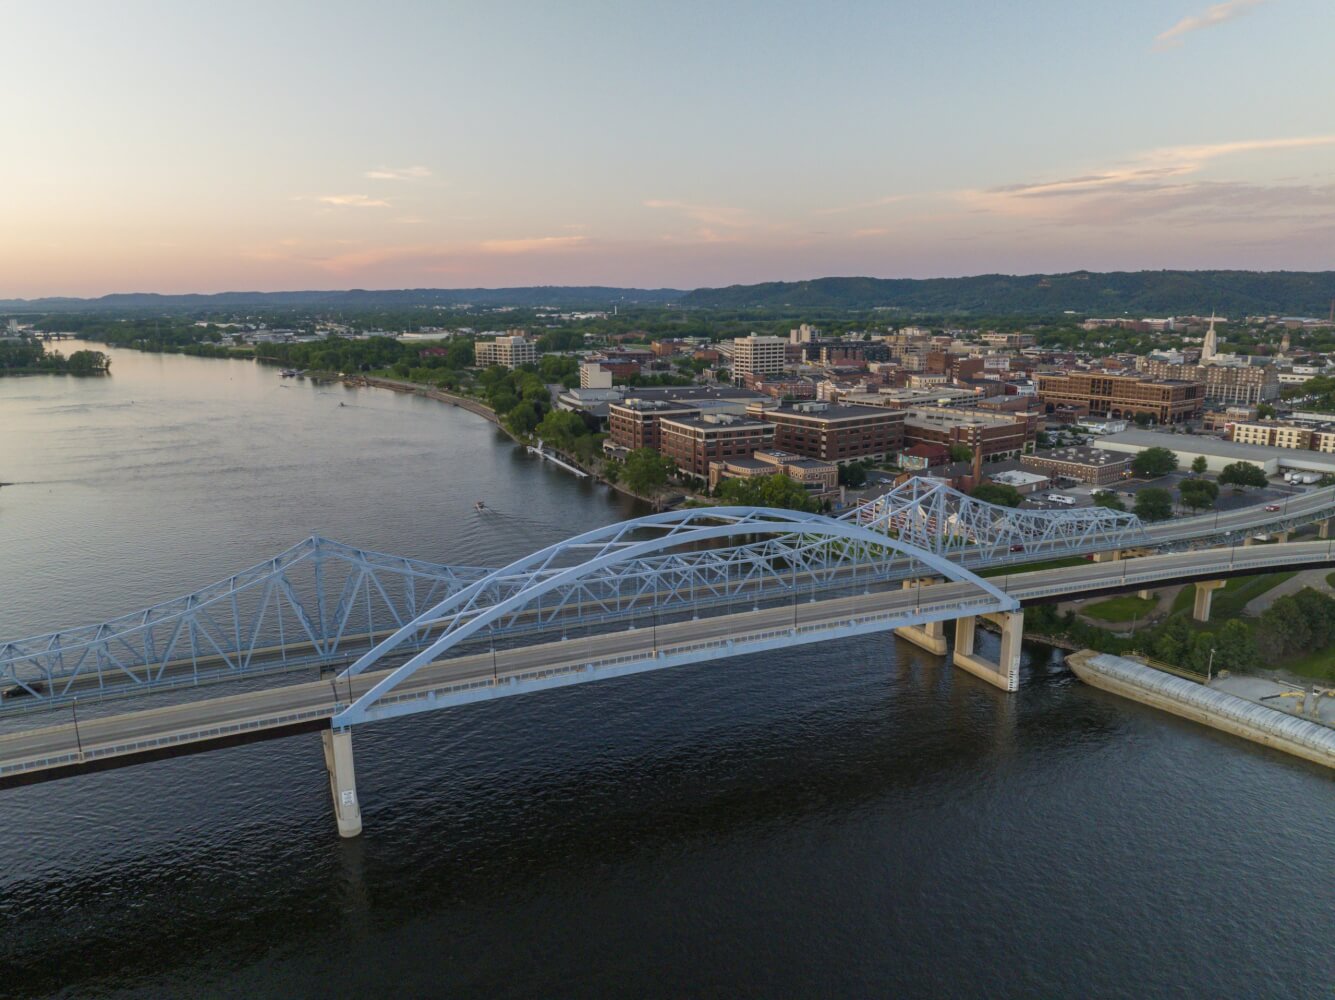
x=1330, y=580
x=1320, y=665
x=1120, y=609
x=1237, y=592
x=1034, y=566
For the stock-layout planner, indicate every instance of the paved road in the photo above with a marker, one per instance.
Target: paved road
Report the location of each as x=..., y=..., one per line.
x=279, y=708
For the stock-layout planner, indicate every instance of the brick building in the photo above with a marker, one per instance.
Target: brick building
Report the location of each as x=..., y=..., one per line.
x=835, y=433
x=1086, y=465
x=993, y=435
x=1106, y=394
x=821, y=479
x=693, y=442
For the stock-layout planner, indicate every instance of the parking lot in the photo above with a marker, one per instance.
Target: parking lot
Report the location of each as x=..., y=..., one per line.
x=1276, y=492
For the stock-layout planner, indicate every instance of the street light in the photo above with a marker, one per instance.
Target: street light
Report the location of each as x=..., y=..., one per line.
x=78, y=741
x=1209, y=666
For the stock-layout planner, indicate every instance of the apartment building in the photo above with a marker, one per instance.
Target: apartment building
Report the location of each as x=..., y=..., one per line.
x=1225, y=385
x=694, y=442
x=508, y=352
x=834, y=433
x=1109, y=395
x=1283, y=434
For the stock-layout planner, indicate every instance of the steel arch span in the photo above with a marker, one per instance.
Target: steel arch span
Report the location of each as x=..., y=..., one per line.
x=619, y=563
x=929, y=514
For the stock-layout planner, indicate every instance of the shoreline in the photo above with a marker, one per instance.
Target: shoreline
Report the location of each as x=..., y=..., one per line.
x=481, y=409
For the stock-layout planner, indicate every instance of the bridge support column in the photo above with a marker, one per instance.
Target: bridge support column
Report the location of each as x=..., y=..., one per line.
x=1111, y=556
x=1281, y=536
x=1005, y=673
x=1323, y=529
x=1249, y=540
x=1145, y=595
x=930, y=636
x=1204, y=596
x=342, y=780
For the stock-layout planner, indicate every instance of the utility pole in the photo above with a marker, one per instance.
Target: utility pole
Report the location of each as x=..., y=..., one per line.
x=1209, y=666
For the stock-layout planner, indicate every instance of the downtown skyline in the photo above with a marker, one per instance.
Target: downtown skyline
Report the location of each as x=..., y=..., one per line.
x=183, y=148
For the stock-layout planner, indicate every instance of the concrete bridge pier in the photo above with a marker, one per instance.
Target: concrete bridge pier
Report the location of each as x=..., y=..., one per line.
x=1005, y=673
x=1204, y=596
x=930, y=636
x=342, y=780
x=1323, y=529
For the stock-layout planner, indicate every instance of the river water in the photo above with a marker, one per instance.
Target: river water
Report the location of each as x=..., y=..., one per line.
x=847, y=819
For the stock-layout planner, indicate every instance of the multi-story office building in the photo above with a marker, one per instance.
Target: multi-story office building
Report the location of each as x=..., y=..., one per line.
x=1015, y=341
x=994, y=435
x=834, y=433
x=757, y=355
x=693, y=442
x=508, y=352
x=1109, y=395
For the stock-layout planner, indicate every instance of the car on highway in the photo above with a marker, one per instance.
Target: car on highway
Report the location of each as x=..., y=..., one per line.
x=1272, y=507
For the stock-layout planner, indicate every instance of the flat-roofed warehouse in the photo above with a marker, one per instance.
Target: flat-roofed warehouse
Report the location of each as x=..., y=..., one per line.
x=1218, y=453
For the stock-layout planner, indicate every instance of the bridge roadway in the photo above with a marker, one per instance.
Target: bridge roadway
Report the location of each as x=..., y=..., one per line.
x=113, y=741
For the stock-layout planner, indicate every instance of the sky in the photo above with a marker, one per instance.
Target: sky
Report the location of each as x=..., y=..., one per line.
x=184, y=146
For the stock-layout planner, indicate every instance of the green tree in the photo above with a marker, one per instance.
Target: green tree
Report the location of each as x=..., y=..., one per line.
x=997, y=493
x=1234, y=646
x=961, y=453
x=1109, y=499
x=853, y=474
x=1143, y=419
x=645, y=471
x=1154, y=462
x=777, y=490
x=561, y=428
x=522, y=419
x=1264, y=411
x=1198, y=494
x=1154, y=505
x=1242, y=474
x=1199, y=465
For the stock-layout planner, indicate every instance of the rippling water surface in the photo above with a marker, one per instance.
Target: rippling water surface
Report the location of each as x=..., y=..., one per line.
x=847, y=819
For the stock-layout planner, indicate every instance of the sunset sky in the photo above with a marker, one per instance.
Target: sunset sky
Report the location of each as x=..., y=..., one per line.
x=205, y=146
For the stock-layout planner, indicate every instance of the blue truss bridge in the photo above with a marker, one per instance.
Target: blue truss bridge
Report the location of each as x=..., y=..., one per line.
x=385, y=636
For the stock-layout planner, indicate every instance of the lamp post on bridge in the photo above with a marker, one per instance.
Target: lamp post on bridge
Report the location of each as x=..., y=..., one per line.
x=78, y=740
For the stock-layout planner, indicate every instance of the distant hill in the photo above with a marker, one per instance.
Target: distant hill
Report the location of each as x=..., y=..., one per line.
x=1142, y=293
x=1085, y=292
x=565, y=297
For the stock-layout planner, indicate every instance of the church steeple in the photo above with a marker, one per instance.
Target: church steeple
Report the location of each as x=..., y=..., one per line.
x=1210, y=346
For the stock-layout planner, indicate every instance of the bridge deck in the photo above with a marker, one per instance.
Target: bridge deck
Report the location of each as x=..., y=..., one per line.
x=56, y=751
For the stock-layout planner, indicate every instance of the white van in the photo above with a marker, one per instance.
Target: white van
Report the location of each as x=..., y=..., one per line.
x=1060, y=498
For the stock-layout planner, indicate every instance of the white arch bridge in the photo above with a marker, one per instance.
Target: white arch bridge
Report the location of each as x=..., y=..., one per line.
x=673, y=588
x=322, y=603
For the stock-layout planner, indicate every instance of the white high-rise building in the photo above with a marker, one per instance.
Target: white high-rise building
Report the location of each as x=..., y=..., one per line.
x=509, y=352
x=757, y=355
x=1210, y=346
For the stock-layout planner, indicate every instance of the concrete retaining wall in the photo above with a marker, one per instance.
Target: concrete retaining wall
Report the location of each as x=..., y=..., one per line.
x=1189, y=700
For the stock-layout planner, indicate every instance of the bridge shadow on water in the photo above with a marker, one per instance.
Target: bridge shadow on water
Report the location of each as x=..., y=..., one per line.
x=202, y=866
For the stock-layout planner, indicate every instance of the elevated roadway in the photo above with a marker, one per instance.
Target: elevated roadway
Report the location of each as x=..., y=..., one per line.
x=119, y=740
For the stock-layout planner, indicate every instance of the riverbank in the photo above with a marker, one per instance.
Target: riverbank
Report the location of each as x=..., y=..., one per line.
x=486, y=412
x=1207, y=705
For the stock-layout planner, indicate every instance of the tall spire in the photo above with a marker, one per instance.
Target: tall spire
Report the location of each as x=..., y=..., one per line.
x=1210, y=346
